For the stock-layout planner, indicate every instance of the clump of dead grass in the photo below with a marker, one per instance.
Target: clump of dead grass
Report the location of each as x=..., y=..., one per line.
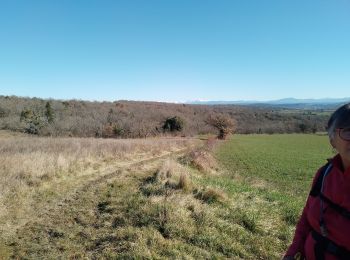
x=211, y=195
x=185, y=183
x=170, y=176
x=202, y=158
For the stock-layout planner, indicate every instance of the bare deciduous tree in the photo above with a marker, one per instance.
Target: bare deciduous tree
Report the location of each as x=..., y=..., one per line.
x=223, y=123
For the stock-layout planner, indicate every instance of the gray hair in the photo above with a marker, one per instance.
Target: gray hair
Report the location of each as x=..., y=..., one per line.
x=339, y=119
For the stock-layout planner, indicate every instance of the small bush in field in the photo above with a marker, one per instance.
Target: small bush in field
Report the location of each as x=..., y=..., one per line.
x=173, y=124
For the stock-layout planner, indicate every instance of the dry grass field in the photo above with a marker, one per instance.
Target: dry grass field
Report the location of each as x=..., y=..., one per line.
x=36, y=172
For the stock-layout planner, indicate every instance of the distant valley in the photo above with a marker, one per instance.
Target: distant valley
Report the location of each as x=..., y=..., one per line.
x=291, y=103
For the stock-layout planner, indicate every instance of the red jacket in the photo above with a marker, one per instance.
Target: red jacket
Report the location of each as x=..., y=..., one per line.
x=336, y=188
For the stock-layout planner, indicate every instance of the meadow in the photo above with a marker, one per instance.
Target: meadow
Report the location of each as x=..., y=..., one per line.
x=38, y=171
x=238, y=199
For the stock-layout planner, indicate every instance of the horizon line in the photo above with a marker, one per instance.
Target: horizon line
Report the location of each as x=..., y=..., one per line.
x=182, y=102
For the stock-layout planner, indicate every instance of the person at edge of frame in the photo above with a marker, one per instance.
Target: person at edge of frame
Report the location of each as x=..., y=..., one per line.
x=323, y=230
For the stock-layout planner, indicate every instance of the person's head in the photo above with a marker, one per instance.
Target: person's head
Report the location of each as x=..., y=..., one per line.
x=338, y=129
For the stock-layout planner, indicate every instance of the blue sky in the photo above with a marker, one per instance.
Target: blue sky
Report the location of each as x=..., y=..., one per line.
x=175, y=50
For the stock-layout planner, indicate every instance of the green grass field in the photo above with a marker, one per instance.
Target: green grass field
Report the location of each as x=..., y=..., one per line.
x=245, y=207
x=267, y=179
x=286, y=163
x=275, y=172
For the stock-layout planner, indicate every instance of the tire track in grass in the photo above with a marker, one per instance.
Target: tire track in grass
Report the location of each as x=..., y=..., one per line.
x=117, y=172
x=87, y=182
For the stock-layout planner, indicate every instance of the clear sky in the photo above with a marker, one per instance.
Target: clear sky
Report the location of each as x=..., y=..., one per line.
x=175, y=50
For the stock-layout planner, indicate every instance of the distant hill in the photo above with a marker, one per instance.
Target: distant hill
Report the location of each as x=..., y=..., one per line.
x=291, y=103
x=131, y=119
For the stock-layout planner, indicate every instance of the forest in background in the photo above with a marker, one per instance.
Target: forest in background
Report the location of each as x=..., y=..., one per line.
x=138, y=119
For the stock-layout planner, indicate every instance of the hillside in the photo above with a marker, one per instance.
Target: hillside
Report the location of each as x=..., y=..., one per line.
x=130, y=119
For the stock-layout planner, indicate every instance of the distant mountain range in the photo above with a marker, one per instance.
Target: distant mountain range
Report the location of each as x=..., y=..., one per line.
x=323, y=103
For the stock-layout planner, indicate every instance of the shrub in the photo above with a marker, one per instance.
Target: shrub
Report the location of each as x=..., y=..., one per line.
x=34, y=121
x=49, y=112
x=26, y=114
x=118, y=130
x=32, y=128
x=223, y=123
x=303, y=127
x=173, y=124
x=3, y=112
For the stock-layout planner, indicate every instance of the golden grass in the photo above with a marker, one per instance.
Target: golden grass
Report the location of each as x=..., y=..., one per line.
x=185, y=182
x=202, y=157
x=35, y=169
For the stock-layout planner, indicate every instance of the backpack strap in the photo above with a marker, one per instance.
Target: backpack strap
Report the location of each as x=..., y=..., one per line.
x=323, y=244
x=316, y=189
x=342, y=211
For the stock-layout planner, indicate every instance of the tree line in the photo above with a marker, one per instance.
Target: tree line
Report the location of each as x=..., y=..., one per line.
x=131, y=119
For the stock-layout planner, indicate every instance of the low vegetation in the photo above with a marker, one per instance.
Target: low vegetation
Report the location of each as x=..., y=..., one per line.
x=245, y=207
x=35, y=171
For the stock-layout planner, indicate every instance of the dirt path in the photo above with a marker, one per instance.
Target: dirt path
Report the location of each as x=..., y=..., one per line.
x=47, y=208
x=78, y=205
x=116, y=173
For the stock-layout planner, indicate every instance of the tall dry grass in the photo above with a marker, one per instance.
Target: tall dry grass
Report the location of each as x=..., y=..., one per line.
x=31, y=164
